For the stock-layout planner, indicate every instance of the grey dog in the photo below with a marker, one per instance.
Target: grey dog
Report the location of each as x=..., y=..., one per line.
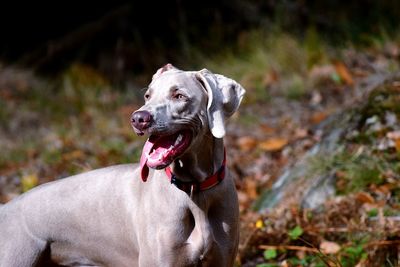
x=178, y=207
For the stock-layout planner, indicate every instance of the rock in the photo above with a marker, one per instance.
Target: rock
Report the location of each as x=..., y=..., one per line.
x=299, y=183
x=311, y=181
x=322, y=189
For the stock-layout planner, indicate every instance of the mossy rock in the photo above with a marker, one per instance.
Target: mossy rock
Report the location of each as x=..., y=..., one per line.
x=383, y=99
x=346, y=160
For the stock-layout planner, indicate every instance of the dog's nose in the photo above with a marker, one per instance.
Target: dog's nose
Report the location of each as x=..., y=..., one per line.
x=141, y=120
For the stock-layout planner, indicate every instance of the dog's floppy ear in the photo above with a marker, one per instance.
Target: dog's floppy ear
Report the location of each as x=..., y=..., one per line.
x=224, y=97
x=163, y=69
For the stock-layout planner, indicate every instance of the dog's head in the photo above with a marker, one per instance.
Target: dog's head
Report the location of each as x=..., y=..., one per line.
x=181, y=107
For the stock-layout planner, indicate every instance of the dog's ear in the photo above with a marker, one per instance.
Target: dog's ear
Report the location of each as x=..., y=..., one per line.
x=224, y=97
x=163, y=69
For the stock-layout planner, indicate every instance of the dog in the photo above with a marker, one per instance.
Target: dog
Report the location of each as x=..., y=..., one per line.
x=177, y=207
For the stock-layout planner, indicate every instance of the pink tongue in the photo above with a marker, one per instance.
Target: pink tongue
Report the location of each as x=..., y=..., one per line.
x=144, y=169
x=162, y=151
x=156, y=146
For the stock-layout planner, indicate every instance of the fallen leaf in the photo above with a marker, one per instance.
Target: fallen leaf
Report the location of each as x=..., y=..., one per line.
x=397, y=145
x=267, y=129
x=386, y=188
x=328, y=247
x=343, y=72
x=317, y=117
x=246, y=143
x=273, y=144
x=395, y=137
x=73, y=155
x=364, y=197
x=29, y=181
x=396, y=84
x=251, y=188
x=270, y=78
x=300, y=133
x=259, y=224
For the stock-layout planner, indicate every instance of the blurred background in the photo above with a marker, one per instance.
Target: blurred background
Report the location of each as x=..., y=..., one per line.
x=314, y=148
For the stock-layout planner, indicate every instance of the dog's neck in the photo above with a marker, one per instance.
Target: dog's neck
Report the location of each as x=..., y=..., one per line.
x=201, y=161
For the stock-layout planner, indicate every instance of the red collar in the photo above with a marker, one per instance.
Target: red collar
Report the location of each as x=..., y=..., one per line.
x=208, y=183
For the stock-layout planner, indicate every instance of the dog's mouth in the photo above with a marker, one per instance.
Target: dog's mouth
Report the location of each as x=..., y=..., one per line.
x=159, y=151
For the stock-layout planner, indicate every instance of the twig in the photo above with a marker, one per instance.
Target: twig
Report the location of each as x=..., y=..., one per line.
x=383, y=243
x=322, y=256
x=334, y=230
x=340, y=229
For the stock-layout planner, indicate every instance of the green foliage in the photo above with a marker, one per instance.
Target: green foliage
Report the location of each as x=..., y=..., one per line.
x=352, y=255
x=391, y=211
x=296, y=232
x=372, y=212
x=267, y=265
x=308, y=260
x=357, y=170
x=297, y=88
x=336, y=78
x=314, y=47
x=270, y=254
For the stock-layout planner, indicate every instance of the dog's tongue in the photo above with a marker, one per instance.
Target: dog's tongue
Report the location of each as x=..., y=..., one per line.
x=144, y=169
x=158, y=152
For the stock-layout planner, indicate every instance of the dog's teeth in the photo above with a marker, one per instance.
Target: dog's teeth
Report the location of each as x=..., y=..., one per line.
x=178, y=139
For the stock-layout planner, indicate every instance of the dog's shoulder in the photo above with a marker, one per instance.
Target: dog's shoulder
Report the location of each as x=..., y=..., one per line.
x=119, y=169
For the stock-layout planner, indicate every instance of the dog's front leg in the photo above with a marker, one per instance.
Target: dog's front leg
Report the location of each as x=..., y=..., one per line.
x=23, y=250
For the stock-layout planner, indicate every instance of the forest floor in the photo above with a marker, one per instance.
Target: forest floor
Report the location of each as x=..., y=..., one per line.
x=77, y=122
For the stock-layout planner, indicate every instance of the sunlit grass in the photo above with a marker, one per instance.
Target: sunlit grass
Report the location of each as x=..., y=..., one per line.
x=274, y=62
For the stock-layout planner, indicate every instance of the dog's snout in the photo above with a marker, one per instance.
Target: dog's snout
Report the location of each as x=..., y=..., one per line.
x=141, y=120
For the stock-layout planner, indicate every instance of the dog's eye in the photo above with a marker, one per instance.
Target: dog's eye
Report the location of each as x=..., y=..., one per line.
x=146, y=96
x=179, y=96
